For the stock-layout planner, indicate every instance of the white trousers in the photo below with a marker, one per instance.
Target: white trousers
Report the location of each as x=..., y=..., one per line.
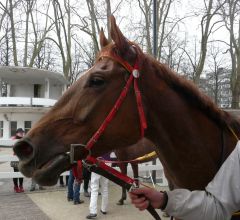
x=95, y=180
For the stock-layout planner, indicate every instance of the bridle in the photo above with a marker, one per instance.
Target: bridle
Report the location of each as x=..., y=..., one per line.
x=98, y=166
x=133, y=79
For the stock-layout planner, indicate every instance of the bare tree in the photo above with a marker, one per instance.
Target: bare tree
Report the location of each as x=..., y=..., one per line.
x=8, y=9
x=218, y=77
x=207, y=27
x=24, y=31
x=231, y=17
x=163, y=8
x=5, y=52
x=39, y=36
x=62, y=24
x=174, y=51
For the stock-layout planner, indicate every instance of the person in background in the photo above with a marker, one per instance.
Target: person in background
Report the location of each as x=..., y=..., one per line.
x=97, y=179
x=74, y=183
x=61, y=182
x=33, y=186
x=18, y=182
x=86, y=180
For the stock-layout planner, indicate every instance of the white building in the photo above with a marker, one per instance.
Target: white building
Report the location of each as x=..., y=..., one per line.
x=25, y=95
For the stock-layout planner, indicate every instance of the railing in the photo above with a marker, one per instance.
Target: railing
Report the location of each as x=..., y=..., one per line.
x=7, y=142
x=11, y=174
x=26, y=101
x=142, y=168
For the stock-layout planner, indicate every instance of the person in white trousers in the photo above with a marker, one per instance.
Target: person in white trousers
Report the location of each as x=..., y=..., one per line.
x=97, y=179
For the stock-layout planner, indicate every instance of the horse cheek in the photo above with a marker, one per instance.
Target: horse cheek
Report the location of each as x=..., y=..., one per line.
x=83, y=112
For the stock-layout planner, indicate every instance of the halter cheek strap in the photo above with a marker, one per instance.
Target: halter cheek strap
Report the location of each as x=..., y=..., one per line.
x=134, y=75
x=100, y=167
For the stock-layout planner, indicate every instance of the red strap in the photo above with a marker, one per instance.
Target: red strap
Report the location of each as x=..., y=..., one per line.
x=111, y=115
x=118, y=59
x=142, y=117
x=111, y=170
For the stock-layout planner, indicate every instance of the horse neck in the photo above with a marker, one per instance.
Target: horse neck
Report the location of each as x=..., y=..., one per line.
x=134, y=151
x=188, y=141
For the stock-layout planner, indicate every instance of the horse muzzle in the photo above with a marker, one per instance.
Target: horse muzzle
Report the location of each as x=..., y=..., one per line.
x=24, y=150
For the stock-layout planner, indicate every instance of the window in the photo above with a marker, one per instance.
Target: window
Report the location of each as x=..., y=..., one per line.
x=4, y=89
x=27, y=126
x=37, y=91
x=13, y=127
x=1, y=129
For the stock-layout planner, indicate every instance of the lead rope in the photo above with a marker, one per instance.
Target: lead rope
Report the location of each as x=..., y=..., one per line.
x=234, y=134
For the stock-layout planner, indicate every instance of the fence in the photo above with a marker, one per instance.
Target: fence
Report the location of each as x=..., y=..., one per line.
x=147, y=168
x=10, y=174
x=26, y=101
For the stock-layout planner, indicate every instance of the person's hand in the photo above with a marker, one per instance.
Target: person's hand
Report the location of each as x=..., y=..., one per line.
x=141, y=197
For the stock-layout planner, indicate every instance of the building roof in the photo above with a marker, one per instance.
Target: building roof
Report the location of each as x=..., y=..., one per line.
x=30, y=75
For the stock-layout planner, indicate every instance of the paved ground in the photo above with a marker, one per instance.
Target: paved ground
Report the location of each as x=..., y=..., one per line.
x=19, y=207
x=51, y=203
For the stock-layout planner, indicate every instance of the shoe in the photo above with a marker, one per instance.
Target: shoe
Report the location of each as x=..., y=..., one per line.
x=69, y=199
x=86, y=194
x=166, y=215
x=16, y=189
x=41, y=188
x=21, y=189
x=99, y=193
x=103, y=212
x=91, y=216
x=32, y=189
x=78, y=202
x=61, y=185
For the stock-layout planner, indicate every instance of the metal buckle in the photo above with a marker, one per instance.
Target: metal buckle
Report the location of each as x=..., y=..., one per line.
x=88, y=165
x=133, y=186
x=81, y=148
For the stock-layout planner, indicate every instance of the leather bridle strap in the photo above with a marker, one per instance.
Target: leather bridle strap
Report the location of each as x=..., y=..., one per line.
x=134, y=75
x=99, y=167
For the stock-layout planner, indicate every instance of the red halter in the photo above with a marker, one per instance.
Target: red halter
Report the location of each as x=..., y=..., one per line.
x=134, y=71
x=99, y=166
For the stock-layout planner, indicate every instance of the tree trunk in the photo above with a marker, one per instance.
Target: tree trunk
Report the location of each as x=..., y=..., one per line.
x=13, y=34
x=204, y=41
x=236, y=86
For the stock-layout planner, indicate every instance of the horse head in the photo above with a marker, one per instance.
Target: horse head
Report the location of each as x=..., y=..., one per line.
x=80, y=112
x=104, y=111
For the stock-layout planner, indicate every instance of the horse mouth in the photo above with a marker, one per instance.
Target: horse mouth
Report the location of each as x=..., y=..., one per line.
x=47, y=174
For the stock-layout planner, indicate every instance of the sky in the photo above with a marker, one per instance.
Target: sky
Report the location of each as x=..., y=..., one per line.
x=189, y=27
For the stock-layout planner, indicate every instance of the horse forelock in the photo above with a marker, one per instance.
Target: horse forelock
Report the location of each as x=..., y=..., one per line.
x=133, y=51
x=188, y=90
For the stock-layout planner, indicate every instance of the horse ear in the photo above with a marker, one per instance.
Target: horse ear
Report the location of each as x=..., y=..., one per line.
x=117, y=36
x=103, y=40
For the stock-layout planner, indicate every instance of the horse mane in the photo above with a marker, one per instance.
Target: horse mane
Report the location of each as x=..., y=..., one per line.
x=191, y=92
x=183, y=87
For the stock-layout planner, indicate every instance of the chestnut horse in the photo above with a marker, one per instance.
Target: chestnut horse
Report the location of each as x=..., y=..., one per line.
x=131, y=153
x=191, y=134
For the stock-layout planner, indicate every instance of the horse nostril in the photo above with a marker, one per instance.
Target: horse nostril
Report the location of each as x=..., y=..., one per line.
x=23, y=150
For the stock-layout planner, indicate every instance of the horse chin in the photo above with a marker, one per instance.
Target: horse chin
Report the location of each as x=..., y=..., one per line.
x=48, y=174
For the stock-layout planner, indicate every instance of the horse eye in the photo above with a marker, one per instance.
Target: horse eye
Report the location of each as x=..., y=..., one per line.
x=96, y=81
